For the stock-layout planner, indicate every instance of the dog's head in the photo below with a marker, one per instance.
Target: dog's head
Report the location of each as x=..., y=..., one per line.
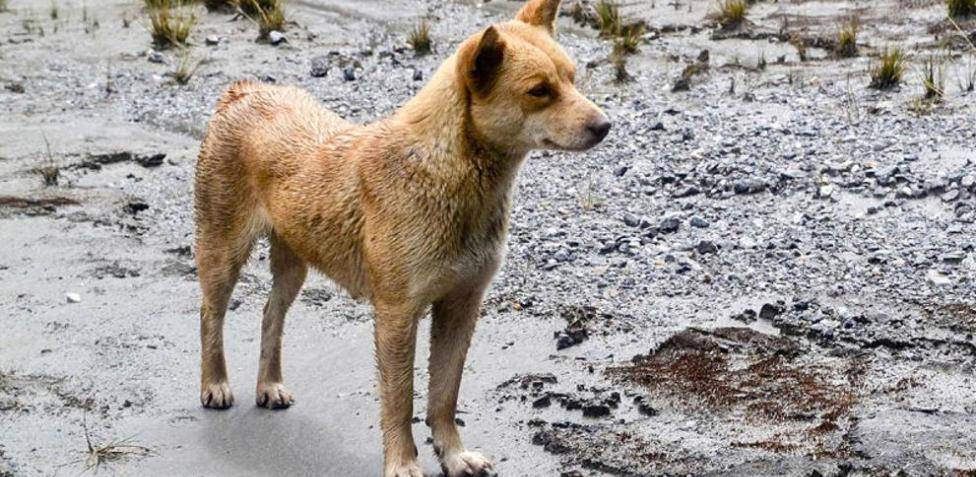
x=521, y=86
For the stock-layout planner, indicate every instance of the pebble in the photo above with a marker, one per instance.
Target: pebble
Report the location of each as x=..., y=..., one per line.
x=276, y=37
x=937, y=278
x=320, y=67
x=73, y=297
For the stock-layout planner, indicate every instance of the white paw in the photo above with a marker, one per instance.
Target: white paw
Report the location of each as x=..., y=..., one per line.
x=466, y=464
x=274, y=396
x=410, y=469
x=216, y=395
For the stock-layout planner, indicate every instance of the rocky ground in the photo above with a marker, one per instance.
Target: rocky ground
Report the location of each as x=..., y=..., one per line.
x=767, y=272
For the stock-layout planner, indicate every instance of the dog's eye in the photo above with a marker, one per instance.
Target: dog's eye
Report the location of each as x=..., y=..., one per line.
x=540, y=91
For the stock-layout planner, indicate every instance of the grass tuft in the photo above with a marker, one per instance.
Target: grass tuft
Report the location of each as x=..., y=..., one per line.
x=933, y=79
x=731, y=13
x=961, y=8
x=967, y=83
x=887, y=72
x=49, y=171
x=216, y=5
x=620, y=73
x=608, y=17
x=170, y=23
x=800, y=45
x=186, y=67
x=3, y=6
x=419, y=39
x=268, y=14
x=847, y=38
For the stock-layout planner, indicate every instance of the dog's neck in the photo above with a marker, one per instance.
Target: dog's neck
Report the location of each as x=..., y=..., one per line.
x=438, y=121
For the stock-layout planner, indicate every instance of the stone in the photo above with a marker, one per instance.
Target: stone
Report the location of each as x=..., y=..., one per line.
x=72, y=297
x=276, y=37
x=320, y=67
x=937, y=278
x=706, y=247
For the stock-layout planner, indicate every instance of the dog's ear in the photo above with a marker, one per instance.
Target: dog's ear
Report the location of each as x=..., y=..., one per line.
x=540, y=13
x=482, y=62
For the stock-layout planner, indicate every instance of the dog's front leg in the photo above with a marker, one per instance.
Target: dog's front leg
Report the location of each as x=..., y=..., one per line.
x=450, y=334
x=396, y=333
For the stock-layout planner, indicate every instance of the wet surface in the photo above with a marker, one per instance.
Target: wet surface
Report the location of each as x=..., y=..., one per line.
x=770, y=273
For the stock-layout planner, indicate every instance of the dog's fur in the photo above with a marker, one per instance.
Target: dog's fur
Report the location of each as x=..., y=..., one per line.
x=410, y=212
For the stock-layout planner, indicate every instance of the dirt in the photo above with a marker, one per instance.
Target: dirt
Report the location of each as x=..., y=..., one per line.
x=766, y=271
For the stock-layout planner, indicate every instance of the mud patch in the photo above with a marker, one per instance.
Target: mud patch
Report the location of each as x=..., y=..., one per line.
x=739, y=369
x=584, y=320
x=34, y=206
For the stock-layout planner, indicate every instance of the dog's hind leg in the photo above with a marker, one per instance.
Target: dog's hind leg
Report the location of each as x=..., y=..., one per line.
x=218, y=266
x=452, y=324
x=289, y=274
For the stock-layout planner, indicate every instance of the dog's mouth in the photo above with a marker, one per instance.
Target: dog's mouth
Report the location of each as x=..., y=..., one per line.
x=550, y=144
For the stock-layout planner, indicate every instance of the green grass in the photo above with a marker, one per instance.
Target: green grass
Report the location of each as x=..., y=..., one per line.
x=847, y=38
x=961, y=8
x=419, y=39
x=888, y=70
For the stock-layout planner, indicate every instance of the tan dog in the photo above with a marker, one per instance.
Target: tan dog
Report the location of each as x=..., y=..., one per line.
x=410, y=212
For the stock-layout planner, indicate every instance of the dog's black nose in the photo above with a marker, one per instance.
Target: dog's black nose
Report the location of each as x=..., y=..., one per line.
x=600, y=128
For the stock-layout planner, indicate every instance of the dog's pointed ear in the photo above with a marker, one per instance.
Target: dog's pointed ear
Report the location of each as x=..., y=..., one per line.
x=482, y=62
x=540, y=13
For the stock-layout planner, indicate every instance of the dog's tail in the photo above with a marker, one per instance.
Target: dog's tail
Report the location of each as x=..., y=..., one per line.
x=234, y=93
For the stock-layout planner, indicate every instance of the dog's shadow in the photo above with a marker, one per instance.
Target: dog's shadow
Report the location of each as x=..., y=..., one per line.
x=262, y=442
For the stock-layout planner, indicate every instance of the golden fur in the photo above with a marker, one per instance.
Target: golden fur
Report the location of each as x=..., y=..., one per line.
x=409, y=212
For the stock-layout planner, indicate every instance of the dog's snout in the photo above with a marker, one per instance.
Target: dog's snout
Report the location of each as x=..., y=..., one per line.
x=600, y=128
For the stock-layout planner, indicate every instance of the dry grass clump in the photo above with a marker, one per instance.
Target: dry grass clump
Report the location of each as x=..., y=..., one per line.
x=419, y=39
x=215, y=5
x=268, y=14
x=888, y=70
x=185, y=68
x=730, y=13
x=608, y=17
x=619, y=61
x=629, y=38
x=933, y=79
x=49, y=171
x=170, y=23
x=961, y=8
x=847, y=38
x=3, y=6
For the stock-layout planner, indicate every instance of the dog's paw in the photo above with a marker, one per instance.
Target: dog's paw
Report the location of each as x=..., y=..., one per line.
x=410, y=469
x=216, y=395
x=274, y=396
x=467, y=464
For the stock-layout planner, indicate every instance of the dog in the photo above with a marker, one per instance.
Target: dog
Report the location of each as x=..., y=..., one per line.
x=410, y=212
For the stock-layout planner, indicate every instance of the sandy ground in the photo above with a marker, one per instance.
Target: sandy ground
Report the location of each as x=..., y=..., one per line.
x=805, y=331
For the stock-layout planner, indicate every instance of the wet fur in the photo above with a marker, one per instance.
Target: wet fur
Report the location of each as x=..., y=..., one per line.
x=409, y=212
